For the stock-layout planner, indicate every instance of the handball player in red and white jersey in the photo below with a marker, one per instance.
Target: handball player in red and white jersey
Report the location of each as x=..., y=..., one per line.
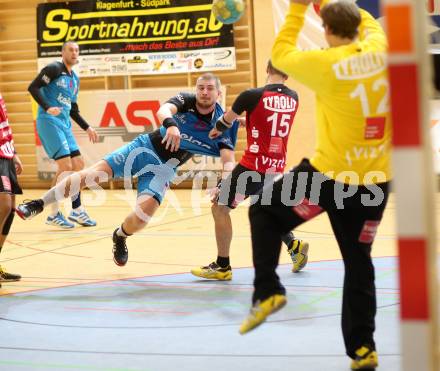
x=270, y=112
x=10, y=166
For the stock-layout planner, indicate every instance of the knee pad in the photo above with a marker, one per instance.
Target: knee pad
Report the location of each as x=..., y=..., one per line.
x=8, y=223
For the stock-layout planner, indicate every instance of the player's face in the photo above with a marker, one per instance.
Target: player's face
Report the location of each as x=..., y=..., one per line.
x=70, y=54
x=206, y=93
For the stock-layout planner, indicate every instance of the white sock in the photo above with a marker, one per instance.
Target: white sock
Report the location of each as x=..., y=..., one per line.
x=120, y=232
x=54, y=208
x=49, y=197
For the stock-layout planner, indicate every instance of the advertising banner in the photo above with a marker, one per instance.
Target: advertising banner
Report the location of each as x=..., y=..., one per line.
x=119, y=116
x=136, y=37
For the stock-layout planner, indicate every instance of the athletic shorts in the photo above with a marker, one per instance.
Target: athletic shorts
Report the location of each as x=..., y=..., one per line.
x=8, y=177
x=138, y=158
x=240, y=184
x=56, y=137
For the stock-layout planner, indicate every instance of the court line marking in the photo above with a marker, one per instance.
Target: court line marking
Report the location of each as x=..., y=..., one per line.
x=259, y=355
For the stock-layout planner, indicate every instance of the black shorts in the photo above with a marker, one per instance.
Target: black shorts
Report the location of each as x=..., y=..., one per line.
x=8, y=177
x=240, y=184
x=72, y=154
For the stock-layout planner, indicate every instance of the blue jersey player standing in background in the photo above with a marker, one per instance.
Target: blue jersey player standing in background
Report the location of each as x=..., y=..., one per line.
x=55, y=89
x=186, y=121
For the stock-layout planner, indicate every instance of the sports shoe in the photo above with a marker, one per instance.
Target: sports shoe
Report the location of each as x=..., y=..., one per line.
x=298, y=250
x=29, y=209
x=59, y=221
x=260, y=311
x=8, y=277
x=366, y=359
x=120, y=251
x=213, y=272
x=82, y=218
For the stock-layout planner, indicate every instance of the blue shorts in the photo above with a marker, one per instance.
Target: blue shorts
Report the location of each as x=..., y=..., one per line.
x=138, y=158
x=56, y=136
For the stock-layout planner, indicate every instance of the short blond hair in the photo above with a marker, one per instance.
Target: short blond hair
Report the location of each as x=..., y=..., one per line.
x=210, y=76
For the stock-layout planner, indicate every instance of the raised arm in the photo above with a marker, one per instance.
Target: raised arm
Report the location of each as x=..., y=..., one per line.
x=227, y=119
x=371, y=32
x=306, y=67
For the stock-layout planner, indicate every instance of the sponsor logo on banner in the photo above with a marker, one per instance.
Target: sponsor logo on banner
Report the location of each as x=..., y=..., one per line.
x=91, y=59
x=119, y=116
x=118, y=68
x=187, y=55
x=218, y=54
x=172, y=56
x=174, y=67
x=137, y=59
x=95, y=71
x=218, y=66
x=198, y=63
x=112, y=59
x=157, y=65
x=134, y=32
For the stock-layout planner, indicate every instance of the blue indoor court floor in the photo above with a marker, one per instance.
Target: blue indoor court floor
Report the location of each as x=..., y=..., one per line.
x=177, y=322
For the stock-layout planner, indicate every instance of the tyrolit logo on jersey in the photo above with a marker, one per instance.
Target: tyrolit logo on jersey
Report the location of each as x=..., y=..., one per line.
x=195, y=141
x=360, y=66
x=279, y=103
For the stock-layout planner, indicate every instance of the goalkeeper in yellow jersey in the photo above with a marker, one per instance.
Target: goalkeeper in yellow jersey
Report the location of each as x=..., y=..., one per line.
x=348, y=175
